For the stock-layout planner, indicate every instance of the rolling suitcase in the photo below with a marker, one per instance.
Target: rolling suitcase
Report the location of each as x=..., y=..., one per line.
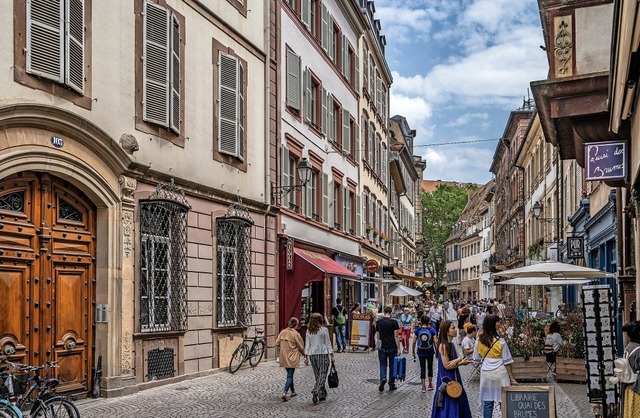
x=400, y=368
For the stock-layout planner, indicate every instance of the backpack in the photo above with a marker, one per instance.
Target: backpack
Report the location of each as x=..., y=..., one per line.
x=622, y=369
x=340, y=319
x=425, y=340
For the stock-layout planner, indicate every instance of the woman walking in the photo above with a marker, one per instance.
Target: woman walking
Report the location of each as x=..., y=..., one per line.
x=445, y=406
x=425, y=341
x=492, y=351
x=631, y=394
x=291, y=347
x=317, y=348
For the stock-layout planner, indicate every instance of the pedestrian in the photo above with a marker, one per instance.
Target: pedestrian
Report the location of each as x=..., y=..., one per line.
x=354, y=310
x=631, y=393
x=424, y=344
x=435, y=313
x=445, y=406
x=387, y=332
x=291, y=347
x=560, y=313
x=500, y=308
x=340, y=317
x=405, y=332
x=452, y=313
x=463, y=315
x=469, y=341
x=495, y=372
x=317, y=349
x=480, y=318
x=552, y=343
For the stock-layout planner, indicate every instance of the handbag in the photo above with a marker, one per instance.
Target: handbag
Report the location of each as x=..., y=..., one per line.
x=332, y=378
x=453, y=387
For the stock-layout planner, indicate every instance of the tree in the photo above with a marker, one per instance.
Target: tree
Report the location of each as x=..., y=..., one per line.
x=441, y=209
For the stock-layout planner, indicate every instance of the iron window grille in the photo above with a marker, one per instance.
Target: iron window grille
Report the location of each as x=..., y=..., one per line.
x=233, y=271
x=163, y=260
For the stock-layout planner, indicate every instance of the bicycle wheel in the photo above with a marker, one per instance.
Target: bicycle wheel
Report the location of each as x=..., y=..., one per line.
x=238, y=358
x=5, y=414
x=256, y=353
x=56, y=407
x=8, y=411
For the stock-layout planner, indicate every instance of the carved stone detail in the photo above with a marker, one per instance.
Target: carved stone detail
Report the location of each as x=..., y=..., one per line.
x=129, y=143
x=127, y=234
x=126, y=354
x=563, y=46
x=127, y=187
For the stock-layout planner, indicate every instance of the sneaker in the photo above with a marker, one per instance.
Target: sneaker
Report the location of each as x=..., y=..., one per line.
x=382, y=383
x=392, y=387
x=430, y=386
x=424, y=390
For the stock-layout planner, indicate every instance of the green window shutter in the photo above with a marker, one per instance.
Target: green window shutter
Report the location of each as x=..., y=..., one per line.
x=325, y=115
x=285, y=178
x=45, y=39
x=325, y=198
x=228, y=87
x=293, y=80
x=345, y=194
x=331, y=38
x=324, y=27
x=358, y=217
x=155, y=88
x=307, y=95
x=175, y=75
x=346, y=131
x=74, y=45
x=305, y=14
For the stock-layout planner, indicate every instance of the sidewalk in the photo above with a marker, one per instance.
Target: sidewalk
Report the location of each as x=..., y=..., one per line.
x=256, y=392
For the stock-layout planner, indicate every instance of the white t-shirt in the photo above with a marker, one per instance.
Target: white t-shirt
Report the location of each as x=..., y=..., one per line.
x=468, y=343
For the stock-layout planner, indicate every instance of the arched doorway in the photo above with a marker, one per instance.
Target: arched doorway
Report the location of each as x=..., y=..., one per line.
x=47, y=275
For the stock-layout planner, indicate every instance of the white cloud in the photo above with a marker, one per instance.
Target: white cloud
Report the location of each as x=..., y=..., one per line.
x=467, y=118
x=464, y=164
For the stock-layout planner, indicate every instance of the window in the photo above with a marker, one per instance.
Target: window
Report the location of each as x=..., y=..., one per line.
x=240, y=5
x=293, y=81
x=55, y=41
x=230, y=116
x=163, y=265
x=313, y=99
x=337, y=205
x=233, y=269
x=310, y=197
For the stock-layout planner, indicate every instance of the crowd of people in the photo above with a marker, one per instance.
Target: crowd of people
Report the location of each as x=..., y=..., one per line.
x=449, y=334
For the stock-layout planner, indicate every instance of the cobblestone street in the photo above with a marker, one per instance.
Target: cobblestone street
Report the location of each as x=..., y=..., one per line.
x=257, y=393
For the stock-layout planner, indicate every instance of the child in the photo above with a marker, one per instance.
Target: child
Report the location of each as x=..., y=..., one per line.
x=469, y=342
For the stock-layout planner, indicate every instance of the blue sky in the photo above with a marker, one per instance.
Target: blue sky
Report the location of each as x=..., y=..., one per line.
x=459, y=67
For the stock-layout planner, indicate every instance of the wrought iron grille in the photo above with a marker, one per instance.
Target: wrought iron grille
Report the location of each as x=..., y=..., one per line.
x=160, y=364
x=69, y=212
x=12, y=202
x=163, y=260
x=233, y=274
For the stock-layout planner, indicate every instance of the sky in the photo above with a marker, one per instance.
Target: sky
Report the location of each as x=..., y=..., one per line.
x=459, y=67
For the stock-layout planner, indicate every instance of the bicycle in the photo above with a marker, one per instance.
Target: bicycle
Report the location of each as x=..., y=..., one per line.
x=46, y=404
x=245, y=352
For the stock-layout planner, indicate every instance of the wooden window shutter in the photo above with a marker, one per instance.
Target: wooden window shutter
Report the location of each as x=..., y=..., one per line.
x=308, y=100
x=358, y=216
x=331, y=37
x=372, y=79
x=293, y=80
x=305, y=13
x=241, y=110
x=325, y=112
x=155, y=89
x=74, y=45
x=228, y=104
x=358, y=151
x=344, y=49
x=365, y=71
x=325, y=198
x=370, y=145
x=45, y=39
x=346, y=131
x=285, y=178
x=175, y=75
x=357, y=74
x=379, y=95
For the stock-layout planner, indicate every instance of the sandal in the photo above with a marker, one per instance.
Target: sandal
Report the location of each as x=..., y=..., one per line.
x=293, y=394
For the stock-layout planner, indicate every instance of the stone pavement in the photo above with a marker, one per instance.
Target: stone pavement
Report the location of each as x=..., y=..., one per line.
x=256, y=393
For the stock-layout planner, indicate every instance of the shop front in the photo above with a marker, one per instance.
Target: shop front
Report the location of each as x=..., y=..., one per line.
x=350, y=290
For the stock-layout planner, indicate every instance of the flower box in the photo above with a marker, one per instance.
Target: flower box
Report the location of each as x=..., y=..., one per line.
x=535, y=368
x=571, y=369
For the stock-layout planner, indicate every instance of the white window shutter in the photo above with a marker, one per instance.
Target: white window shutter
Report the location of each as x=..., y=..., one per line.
x=175, y=75
x=344, y=54
x=325, y=198
x=357, y=74
x=358, y=217
x=240, y=104
x=45, y=39
x=331, y=37
x=305, y=14
x=357, y=144
x=285, y=178
x=324, y=27
x=325, y=115
x=378, y=94
x=345, y=194
x=372, y=79
x=346, y=131
x=348, y=210
x=74, y=43
x=370, y=143
x=155, y=89
x=365, y=71
x=331, y=118
x=307, y=95
x=228, y=104
x=293, y=80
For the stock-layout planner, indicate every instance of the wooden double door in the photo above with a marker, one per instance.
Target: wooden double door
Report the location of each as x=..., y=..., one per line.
x=47, y=276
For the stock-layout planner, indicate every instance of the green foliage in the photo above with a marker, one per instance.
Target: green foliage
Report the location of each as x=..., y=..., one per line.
x=571, y=329
x=440, y=210
x=535, y=252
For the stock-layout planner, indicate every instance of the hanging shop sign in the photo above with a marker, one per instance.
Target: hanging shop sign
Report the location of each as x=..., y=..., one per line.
x=605, y=160
x=575, y=247
x=290, y=245
x=371, y=265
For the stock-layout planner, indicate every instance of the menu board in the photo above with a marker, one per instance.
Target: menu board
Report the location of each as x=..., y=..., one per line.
x=528, y=401
x=360, y=329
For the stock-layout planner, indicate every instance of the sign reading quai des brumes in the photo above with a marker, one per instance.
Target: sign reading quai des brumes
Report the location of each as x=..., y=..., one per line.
x=605, y=160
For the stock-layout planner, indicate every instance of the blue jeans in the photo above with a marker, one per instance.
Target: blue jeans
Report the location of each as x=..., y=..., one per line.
x=341, y=339
x=386, y=356
x=288, y=384
x=487, y=409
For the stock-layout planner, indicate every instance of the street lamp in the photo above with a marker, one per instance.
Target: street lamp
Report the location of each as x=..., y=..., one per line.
x=304, y=175
x=537, y=208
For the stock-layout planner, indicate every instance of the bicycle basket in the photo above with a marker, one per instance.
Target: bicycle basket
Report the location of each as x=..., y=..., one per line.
x=20, y=383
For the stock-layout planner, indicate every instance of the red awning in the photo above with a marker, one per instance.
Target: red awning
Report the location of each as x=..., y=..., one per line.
x=317, y=265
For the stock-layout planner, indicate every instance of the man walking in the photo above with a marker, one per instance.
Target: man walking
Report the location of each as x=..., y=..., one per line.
x=387, y=330
x=435, y=313
x=340, y=317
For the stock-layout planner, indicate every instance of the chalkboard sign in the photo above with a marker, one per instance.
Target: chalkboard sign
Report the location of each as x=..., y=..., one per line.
x=528, y=402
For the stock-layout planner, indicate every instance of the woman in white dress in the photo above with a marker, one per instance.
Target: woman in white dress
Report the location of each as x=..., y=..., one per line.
x=492, y=351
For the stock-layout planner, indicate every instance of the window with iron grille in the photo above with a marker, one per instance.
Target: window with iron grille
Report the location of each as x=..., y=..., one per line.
x=163, y=262
x=233, y=272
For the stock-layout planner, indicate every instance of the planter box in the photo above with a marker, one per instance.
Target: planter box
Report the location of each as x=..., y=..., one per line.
x=533, y=369
x=571, y=369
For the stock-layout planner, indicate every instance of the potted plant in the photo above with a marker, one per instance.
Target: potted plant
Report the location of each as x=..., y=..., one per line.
x=525, y=343
x=534, y=251
x=570, y=362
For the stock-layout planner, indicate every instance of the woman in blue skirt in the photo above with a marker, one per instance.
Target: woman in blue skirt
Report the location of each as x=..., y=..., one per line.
x=445, y=406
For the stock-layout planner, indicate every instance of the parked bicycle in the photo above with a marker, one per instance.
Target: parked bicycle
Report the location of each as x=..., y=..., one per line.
x=251, y=349
x=46, y=403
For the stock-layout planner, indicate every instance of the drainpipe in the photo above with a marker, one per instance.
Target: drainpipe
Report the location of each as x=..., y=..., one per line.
x=267, y=182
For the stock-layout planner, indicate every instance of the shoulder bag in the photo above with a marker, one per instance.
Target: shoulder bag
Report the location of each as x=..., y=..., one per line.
x=332, y=378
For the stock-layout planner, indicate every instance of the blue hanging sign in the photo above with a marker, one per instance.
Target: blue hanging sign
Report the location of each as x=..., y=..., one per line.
x=605, y=160
x=57, y=142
